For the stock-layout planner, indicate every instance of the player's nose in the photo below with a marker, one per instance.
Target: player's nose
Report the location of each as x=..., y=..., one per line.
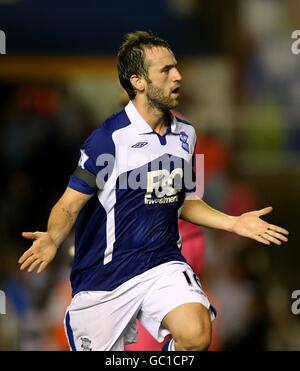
x=178, y=76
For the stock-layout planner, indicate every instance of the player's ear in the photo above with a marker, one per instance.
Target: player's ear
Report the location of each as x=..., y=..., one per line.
x=138, y=83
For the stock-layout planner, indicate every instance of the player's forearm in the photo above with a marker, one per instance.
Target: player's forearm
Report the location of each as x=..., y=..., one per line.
x=61, y=221
x=199, y=213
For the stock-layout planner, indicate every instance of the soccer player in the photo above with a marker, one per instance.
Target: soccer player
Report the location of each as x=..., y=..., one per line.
x=126, y=196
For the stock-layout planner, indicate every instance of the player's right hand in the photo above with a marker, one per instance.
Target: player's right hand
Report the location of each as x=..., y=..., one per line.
x=40, y=254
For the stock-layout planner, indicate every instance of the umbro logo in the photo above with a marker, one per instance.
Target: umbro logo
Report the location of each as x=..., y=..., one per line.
x=139, y=145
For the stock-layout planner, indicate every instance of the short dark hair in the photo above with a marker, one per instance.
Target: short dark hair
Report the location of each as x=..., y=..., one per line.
x=130, y=57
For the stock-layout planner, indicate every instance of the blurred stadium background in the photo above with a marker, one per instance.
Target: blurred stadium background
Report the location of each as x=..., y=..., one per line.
x=58, y=81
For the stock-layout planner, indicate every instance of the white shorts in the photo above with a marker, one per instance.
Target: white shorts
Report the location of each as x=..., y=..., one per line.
x=106, y=320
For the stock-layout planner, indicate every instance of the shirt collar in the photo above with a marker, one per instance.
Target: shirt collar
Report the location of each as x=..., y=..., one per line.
x=175, y=125
x=141, y=125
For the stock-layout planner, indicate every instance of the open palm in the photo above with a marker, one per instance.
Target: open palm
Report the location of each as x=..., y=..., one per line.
x=40, y=254
x=250, y=225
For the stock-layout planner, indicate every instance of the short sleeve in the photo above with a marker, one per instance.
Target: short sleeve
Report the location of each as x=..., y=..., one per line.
x=96, y=161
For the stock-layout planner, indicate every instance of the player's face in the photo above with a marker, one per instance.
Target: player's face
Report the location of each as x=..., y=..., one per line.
x=164, y=79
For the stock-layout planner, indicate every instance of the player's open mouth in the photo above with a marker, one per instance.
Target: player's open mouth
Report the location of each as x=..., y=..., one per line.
x=176, y=91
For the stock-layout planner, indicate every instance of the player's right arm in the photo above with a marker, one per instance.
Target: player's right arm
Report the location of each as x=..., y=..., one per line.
x=61, y=220
x=88, y=178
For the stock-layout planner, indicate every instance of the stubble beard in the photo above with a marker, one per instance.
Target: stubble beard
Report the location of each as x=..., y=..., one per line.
x=156, y=99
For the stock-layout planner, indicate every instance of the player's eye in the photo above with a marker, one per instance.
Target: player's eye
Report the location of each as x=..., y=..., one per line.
x=166, y=69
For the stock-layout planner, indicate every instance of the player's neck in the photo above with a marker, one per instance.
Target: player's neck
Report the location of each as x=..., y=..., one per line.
x=157, y=119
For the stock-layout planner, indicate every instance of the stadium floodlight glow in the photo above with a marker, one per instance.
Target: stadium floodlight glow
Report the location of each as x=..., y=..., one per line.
x=2, y=42
x=296, y=43
x=2, y=302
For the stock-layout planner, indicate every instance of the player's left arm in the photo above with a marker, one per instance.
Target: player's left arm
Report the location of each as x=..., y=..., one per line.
x=249, y=224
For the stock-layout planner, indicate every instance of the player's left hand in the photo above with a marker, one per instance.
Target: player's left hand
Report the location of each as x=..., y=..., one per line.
x=250, y=225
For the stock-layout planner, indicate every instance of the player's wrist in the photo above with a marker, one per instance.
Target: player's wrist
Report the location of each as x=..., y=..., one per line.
x=54, y=239
x=230, y=223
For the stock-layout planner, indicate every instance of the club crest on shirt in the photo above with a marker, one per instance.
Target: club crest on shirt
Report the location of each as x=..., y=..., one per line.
x=86, y=344
x=184, y=141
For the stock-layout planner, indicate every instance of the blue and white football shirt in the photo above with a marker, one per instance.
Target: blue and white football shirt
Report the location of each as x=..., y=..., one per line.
x=137, y=179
